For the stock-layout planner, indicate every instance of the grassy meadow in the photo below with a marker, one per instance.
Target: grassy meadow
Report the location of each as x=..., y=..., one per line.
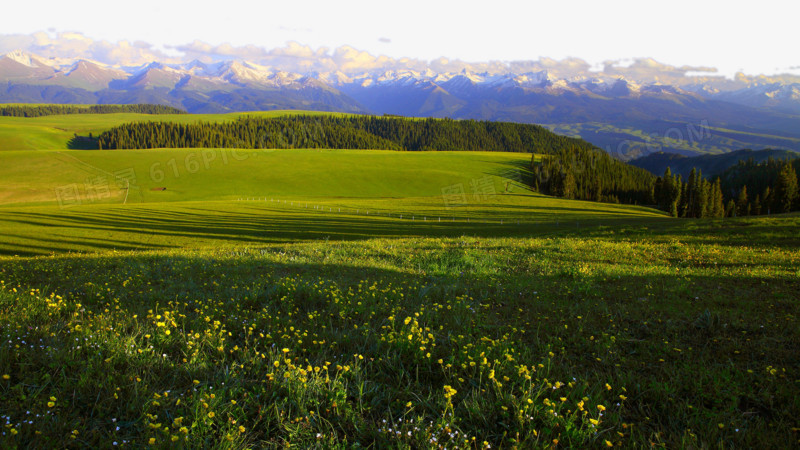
x=33, y=177
x=318, y=299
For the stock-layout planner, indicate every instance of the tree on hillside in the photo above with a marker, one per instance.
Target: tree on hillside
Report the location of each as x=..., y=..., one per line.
x=742, y=203
x=756, y=206
x=730, y=209
x=785, y=189
x=689, y=197
x=667, y=192
x=696, y=201
x=568, y=186
x=703, y=196
x=766, y=201
x=597, y=189
x=717, y=208
x=677, y=191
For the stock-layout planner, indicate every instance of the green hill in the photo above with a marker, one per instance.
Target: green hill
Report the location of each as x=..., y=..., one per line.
x=44, y=187
x=224, y=174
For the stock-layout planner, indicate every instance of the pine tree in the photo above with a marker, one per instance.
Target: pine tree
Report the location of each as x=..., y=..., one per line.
x=690, y=194
x=756, y=209
x=667, y=192
x=730, y=209
x=568, y=187
x=598, y=189
x=786, y=190
x=660, y=193
x=742, y=202
x=717, y=201
x=704, y=196
x=676, y=190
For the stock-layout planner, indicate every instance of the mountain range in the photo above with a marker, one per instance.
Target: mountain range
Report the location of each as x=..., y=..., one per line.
x=629, y=111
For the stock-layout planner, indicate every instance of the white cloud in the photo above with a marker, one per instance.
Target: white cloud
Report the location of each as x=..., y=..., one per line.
x=296, y=57
x=72, y=45
x=295, y=49
x=727, y=35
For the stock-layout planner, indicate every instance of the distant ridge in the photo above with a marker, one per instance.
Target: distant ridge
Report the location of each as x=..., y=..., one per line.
x=710, y=165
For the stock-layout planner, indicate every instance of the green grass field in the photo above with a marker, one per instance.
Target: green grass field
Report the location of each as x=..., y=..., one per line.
x=193, y=225
x=319, y=299
x=218, y=174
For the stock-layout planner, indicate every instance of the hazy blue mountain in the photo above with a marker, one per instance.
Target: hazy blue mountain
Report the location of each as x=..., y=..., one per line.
x=710, y=165
x=625, y=119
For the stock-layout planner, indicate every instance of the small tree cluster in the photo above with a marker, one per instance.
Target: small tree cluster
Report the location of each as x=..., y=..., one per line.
x=591, y=174
x=697, y=198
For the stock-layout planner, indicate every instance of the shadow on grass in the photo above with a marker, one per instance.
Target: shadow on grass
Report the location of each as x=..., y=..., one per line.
x=82, y=143
x=147, y=229
x=516, y=171
x=141, y=228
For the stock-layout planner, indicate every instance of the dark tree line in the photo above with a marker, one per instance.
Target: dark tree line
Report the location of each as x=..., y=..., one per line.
x=591, y=174
x=54, y=110
x=351, y=132
x=749, y=188
x=245, y=133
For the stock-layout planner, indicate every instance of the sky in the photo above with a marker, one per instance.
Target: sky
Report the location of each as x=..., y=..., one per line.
x=753, y=37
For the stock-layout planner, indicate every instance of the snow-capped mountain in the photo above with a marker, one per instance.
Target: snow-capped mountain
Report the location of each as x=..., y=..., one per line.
x=785, y=97
x=195, y=86
x=87, y=75
x=19, y=66
x=26, y=59
x=563, y=94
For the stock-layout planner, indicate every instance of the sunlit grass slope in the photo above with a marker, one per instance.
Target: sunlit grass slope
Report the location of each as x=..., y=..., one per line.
x=219, y=174
x=263, y=220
